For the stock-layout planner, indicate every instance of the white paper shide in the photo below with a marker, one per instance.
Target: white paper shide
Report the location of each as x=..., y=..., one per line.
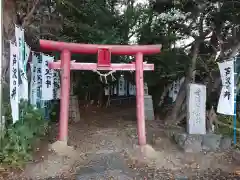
x=226, y=99
x=197, y=109
x=14, y=93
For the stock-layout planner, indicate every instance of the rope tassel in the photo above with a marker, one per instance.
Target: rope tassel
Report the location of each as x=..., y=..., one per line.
x=101, y=76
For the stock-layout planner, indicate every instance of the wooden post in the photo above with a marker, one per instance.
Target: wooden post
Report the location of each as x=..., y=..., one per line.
x=65, y=91
x=140, y=100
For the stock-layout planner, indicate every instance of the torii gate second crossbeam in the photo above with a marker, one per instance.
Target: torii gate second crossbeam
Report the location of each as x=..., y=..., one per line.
x=103, y=63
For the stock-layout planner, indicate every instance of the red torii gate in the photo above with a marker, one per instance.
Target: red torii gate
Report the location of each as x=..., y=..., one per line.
x=103, y=63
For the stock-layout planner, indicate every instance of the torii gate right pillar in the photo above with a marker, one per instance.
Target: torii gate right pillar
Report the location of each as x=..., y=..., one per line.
x=140, y=99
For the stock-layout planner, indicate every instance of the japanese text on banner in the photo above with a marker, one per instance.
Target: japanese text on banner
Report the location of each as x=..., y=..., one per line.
x=26, y=57
x=39, y=81
x=56, y=84
x=33, y=91
x=47, y=78
x=226, y=99
x=197, y=109
x=23, y=85
x=14, y=95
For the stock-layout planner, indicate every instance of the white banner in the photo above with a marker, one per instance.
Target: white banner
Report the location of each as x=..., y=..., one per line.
x=33, y=86
x=23, y=85
x=39, y=80
x=14, y=94
x=27, y=54
x=174, y=88
x=47, y=78
x=226, y=99
x=121, y=86
x=196, y=119
x=56, y=83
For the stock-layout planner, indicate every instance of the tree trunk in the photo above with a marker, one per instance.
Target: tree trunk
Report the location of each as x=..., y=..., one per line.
x=178, y=103
x=184, y=87
x=164, y=94
x=9, y=20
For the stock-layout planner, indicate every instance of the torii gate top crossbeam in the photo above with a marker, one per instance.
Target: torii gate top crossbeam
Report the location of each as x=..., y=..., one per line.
x=47, y=45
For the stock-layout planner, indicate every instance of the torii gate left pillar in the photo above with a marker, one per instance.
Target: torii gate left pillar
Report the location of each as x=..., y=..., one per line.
x=103, y=63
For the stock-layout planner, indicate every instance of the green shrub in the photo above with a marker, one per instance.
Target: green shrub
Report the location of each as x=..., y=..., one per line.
x=227, y=129
x=19, y=138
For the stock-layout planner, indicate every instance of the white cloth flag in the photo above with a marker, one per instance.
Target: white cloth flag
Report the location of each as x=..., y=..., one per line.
x=174, y=88
x=56, y=83
x=27, y=54
x=121, y=86
x=47, y=78
x=33, y=91
x=14, y=94
x=39, y=80
x=23, y=86
x=226, y=99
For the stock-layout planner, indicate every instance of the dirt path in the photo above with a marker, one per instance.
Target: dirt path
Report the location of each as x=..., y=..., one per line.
x=104, y=148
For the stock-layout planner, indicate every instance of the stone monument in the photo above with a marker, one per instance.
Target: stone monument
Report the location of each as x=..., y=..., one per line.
x=196, y=109
x=148, y=104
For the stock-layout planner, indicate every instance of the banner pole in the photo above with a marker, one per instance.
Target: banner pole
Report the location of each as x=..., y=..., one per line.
x=235, y=104
x=2, y=122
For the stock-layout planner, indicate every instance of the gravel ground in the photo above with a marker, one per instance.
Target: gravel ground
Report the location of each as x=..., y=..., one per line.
x=115, y=131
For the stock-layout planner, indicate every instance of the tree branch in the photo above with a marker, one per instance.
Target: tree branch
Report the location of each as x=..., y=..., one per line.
x=235, y=50
x=30, y=14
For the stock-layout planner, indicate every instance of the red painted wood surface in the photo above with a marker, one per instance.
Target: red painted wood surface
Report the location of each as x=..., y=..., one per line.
x=94, y=66
x=65, y=92
x=103, y=63
x=47, y=45
x=140, y=100
x=104, y=57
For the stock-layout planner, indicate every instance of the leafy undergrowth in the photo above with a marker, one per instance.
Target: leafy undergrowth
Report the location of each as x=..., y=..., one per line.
x=18, y=139
x=228, y=128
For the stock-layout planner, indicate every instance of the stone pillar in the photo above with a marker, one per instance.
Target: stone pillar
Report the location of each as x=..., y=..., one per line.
x=148, y=104
x=148, y=107
x=196, y=109
x=74, y=111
